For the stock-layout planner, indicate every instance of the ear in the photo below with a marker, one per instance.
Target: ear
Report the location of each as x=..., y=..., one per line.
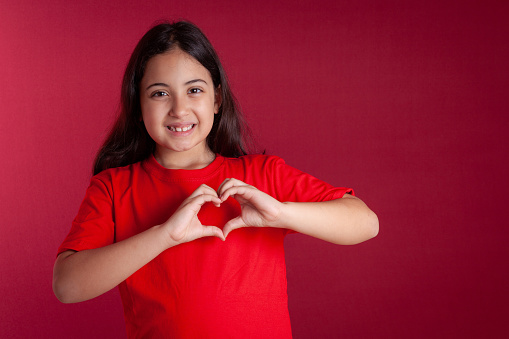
x=218, y=99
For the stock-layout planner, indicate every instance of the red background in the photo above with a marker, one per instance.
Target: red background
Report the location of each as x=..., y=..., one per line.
x=406, y=101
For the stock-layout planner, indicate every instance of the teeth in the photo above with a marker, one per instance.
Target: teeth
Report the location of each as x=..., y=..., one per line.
x=180, y=129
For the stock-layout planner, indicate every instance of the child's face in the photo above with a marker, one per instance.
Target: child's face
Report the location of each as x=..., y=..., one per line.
x=178, y=103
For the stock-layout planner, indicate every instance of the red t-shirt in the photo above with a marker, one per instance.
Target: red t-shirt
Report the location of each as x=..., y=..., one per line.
x=206, y=288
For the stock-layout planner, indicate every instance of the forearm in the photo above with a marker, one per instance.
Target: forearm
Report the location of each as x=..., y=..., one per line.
x=79, y=276
x=344, y=221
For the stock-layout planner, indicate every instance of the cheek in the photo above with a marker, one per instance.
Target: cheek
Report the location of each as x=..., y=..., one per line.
x=149, y=119
x=210, y=107
x=150, y=112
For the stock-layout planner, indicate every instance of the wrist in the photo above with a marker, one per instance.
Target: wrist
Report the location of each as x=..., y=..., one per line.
x=166, y=240
x=285, y=216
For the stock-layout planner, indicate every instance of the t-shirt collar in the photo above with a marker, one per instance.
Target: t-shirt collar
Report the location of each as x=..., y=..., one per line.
x=156, y=169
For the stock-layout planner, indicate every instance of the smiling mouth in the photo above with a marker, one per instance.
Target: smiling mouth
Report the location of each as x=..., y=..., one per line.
x=180, y=129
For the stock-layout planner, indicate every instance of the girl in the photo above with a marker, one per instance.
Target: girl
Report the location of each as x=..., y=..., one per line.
x=189, y=226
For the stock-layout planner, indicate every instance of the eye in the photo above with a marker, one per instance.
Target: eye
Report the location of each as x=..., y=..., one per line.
x=194, y=90
x=159, y=94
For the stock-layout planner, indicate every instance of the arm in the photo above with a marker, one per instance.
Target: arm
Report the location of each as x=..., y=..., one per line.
x=343, y=221
x=79, y=276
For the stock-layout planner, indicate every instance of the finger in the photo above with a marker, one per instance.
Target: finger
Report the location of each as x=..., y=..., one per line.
x=230, y=188
x=198, y=201
x=213, y=231
x=203, y=189
x=233, y=224
x=209, y=190
x=245, y=191
x=230, y=182
x=223, y=184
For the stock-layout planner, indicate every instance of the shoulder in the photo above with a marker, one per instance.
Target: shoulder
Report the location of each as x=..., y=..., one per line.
x=118, y=175
x=256, y=169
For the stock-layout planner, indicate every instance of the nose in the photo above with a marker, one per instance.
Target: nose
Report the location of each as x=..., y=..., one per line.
x=178, y=107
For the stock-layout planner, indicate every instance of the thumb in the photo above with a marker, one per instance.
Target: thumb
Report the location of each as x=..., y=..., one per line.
x=233, y=224
x=213, y=231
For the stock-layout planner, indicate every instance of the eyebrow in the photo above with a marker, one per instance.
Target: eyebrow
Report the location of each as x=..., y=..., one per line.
x=162, y=84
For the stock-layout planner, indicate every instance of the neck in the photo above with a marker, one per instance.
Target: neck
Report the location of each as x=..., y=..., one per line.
x=184, y=160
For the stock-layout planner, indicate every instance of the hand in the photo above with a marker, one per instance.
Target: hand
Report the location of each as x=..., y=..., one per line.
x=184, y=225
x=258, y=209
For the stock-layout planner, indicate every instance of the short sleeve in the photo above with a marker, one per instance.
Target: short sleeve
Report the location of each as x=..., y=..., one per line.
x=297, y=186
x=93, y=227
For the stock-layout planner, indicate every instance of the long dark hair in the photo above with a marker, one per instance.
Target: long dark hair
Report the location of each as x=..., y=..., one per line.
x=128, y=141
